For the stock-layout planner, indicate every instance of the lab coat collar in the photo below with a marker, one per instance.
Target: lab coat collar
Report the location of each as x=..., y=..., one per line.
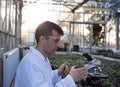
x=38, y=53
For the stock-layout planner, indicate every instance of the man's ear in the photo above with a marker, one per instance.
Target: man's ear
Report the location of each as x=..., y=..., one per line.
x=42, y=39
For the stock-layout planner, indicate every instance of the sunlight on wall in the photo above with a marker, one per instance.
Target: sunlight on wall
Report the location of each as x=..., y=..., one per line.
x=33, y=15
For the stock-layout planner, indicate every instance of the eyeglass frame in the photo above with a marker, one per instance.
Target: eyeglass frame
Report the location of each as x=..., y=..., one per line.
x=56, y=40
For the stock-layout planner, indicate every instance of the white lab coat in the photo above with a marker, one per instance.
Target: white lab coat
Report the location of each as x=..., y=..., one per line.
x=35, y=71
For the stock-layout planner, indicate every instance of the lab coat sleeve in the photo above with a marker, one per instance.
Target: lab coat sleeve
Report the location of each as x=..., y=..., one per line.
x=66, y=82
x=55, y=76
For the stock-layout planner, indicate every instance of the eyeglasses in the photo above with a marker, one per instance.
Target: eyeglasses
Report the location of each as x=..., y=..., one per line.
x=56, y=40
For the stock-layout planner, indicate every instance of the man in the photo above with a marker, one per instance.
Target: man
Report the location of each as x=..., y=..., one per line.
x=35, y=70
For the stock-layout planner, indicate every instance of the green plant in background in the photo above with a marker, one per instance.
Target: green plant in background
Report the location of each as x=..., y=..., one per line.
x=107, y=53
x=71, y=59
x=110, y=68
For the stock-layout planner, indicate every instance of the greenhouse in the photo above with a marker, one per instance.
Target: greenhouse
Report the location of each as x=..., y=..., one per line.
x=91, y=38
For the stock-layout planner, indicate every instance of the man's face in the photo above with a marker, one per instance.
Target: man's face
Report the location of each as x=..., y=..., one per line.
x=52, y=43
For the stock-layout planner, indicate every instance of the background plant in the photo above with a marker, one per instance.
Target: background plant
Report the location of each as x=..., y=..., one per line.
x=110, y=68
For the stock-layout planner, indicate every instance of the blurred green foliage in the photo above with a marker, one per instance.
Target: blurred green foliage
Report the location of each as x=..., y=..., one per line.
x=110, y=68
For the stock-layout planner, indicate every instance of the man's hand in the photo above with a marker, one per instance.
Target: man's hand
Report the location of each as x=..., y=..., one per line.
x=63, y=69
x=78, y=73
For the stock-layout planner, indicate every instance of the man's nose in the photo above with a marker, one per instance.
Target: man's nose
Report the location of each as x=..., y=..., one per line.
x=59, y=45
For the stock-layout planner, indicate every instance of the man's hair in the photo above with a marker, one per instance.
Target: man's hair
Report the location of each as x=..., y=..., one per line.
x=46, y=28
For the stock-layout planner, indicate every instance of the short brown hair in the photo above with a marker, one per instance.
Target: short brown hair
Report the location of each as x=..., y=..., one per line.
x=46, y=28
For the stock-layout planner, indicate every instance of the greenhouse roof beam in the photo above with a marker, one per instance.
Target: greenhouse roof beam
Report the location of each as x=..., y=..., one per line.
x=79, y=5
